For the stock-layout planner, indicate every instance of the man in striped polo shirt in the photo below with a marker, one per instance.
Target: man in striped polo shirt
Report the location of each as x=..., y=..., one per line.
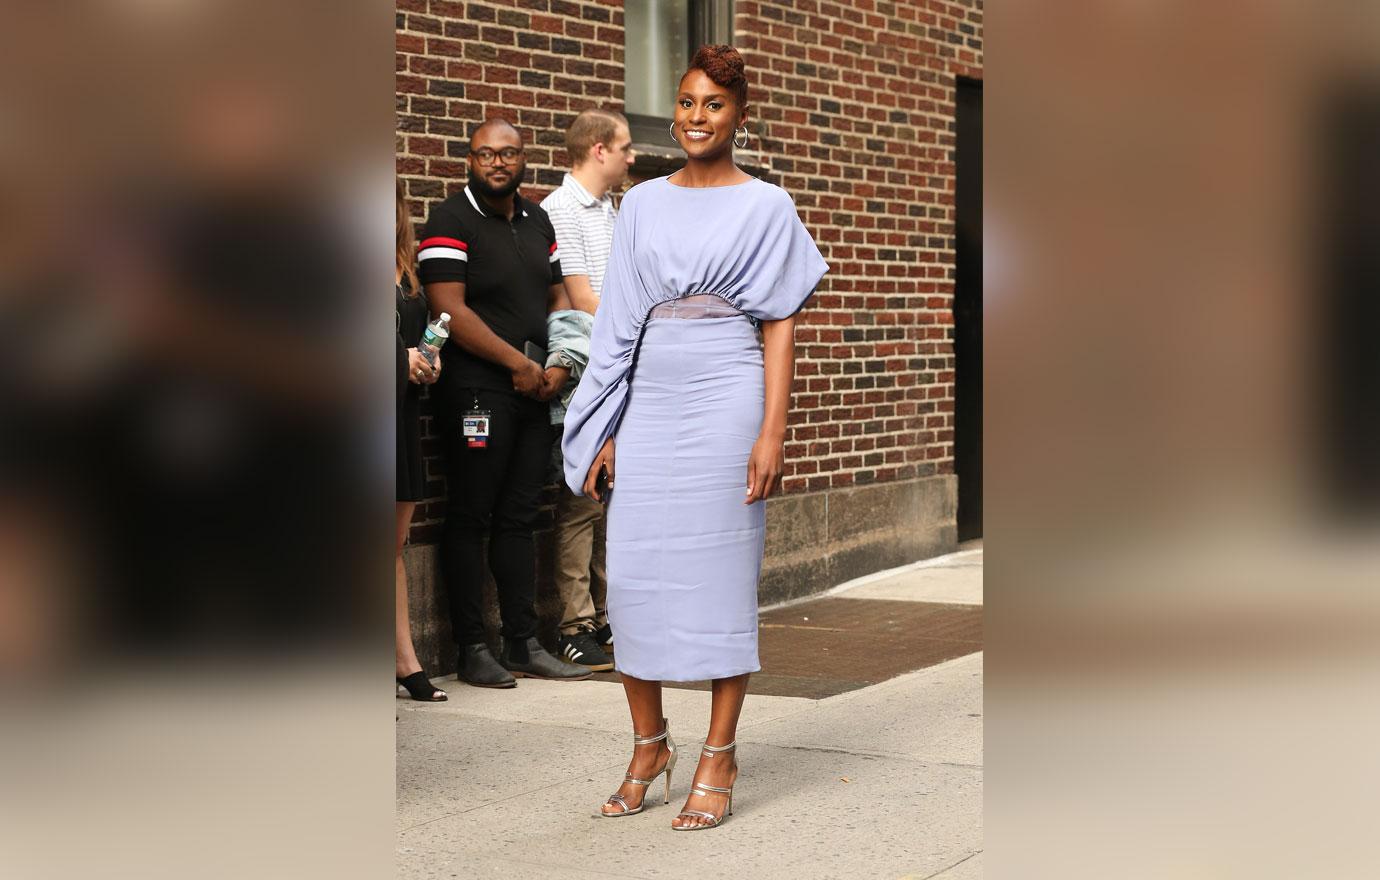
x=582, y=213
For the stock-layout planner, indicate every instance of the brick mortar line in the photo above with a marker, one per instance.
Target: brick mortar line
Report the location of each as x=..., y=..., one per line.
x=918, y=39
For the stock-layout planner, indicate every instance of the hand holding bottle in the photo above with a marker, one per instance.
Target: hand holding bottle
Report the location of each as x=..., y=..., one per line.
x=421, y=369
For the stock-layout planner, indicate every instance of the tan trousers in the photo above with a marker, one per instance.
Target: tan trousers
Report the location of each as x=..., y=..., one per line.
x=580, y=575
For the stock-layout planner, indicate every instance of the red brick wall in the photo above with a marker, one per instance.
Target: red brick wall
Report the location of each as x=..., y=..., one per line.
x=852, y=107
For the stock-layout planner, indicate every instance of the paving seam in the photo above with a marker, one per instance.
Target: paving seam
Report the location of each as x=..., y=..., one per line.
x=813, y=704
x=897, y=756
x=829, y=749
x=614, y=767
x=609, y=768
x=951, y=867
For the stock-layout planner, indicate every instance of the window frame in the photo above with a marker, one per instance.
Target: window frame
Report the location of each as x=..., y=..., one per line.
x=710, y=21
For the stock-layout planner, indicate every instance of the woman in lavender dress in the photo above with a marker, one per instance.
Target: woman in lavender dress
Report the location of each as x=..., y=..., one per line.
x=696, y=407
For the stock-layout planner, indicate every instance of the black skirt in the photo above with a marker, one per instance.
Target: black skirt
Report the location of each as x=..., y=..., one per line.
x=412, y=318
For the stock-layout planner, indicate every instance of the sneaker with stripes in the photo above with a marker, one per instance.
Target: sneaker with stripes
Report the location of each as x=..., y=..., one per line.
x=603, y=637
x=581, y=649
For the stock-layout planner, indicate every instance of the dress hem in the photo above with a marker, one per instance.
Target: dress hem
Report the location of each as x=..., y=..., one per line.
x=730, y=674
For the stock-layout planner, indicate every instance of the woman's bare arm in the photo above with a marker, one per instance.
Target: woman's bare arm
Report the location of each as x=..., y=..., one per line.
x=768, y=459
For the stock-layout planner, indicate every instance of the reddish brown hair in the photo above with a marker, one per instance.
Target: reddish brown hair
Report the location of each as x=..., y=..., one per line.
x=407, y=247
x=725, y=67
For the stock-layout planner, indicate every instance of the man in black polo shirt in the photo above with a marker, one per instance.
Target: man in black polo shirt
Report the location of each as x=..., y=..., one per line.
x=488, y=257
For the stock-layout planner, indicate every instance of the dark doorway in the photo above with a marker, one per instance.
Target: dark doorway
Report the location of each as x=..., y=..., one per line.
x=968, y=308
x=1349, y=271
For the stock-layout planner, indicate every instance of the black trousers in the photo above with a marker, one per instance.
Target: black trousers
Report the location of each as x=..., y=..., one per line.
x=494, y=491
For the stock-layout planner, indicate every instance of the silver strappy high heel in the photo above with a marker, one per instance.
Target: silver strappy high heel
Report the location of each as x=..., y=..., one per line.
x=628, y=777
x=703, y=790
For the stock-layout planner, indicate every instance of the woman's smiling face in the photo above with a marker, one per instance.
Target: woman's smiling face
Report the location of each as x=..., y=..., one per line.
x=706, y=116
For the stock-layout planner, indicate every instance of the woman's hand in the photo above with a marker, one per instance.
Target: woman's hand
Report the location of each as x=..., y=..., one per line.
x=765, y=466
x=420, y=370
x=601, y=461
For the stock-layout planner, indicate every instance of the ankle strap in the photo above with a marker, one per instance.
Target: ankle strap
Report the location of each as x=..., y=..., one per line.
x=714, y=750
x=648, y=740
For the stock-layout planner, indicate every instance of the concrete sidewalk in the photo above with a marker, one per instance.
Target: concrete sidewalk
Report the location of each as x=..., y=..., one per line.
x=882, y=781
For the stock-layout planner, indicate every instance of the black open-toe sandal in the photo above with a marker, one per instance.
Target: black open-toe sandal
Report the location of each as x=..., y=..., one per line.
x=421, y=688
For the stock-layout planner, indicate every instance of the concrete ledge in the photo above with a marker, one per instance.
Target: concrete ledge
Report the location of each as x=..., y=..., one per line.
x=819, y=540
x=814, y=541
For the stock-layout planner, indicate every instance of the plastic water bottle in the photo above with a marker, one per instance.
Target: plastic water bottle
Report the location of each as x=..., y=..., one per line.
x=435, y=336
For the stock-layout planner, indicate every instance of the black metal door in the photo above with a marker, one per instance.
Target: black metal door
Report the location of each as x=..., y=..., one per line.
x=968, y=308
x=1350, y=272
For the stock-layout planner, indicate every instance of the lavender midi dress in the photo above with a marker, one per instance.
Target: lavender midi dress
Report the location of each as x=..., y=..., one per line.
x=675, y=375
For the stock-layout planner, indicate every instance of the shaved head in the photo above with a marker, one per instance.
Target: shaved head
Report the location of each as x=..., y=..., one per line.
x=490, y=128
x=492, y=175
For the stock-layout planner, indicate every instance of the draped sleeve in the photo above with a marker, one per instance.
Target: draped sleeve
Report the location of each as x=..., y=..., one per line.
x=786, y=265
x=742, y=242
x=603, y=390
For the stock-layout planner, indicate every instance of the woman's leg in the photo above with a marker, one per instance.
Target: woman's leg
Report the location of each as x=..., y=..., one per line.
x=644, y=702
x=721, y=770
x=406, y=653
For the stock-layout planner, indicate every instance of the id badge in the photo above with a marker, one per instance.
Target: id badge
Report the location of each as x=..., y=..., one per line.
x=476, y=428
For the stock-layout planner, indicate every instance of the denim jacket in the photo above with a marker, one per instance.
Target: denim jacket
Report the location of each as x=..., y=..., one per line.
x=567, y=345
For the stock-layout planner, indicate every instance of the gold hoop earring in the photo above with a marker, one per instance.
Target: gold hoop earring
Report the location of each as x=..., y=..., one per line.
x=744, y=144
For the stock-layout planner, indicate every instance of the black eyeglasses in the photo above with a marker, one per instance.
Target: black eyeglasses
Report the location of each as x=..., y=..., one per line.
x=487, y=156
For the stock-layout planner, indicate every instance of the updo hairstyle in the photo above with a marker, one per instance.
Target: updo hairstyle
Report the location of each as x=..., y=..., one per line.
x=725, y=67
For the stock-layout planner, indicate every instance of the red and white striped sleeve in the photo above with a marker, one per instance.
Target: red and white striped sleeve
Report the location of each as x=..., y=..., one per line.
x=553, y=250
x=443, y=252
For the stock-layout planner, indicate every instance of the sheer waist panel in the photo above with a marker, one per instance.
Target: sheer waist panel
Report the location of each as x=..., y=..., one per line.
x=700, y=305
